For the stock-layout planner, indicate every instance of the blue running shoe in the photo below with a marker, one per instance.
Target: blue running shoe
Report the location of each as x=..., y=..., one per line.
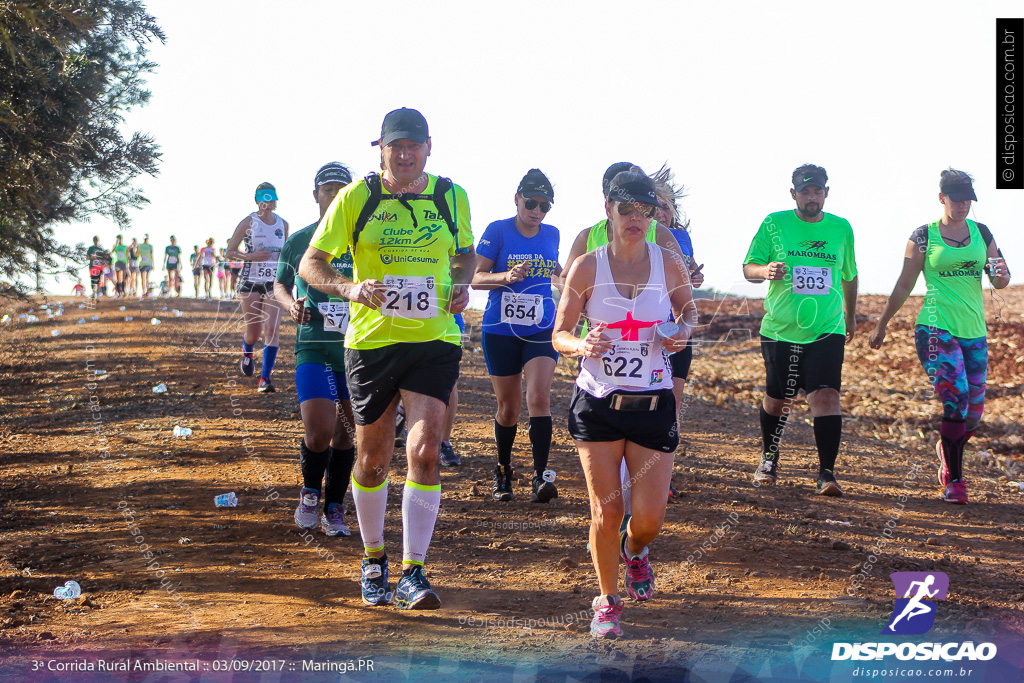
x=248, y=366
x=639, y=575
x=375, y=586
x=449, y=458
x=332, y=521
x=413, y=591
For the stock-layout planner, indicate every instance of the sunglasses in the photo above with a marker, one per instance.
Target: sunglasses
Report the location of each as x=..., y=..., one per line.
x=532, y=204
x=626, y=208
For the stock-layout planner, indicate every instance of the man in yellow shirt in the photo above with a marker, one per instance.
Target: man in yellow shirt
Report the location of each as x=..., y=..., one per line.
x=412, y=246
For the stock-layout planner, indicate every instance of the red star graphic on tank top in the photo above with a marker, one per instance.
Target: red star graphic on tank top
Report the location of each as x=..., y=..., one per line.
x=631, y=328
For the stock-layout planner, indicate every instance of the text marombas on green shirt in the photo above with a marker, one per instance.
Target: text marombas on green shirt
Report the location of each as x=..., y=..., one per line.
x=410, y=255
x=808, y=302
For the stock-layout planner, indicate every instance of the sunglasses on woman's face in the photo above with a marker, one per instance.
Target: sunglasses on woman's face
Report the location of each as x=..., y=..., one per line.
x=532, y=204
x=626, y=208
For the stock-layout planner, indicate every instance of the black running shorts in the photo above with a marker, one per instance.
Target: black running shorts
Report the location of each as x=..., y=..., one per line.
x=791, y=367
x=375, y=375
x=506, y=355
x=593, y=419
x=681, y=360
x=247, y=287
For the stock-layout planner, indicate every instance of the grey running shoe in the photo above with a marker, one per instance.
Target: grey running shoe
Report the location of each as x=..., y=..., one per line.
x=305, y=514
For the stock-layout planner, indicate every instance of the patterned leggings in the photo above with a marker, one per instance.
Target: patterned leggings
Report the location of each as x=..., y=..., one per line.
x=957, y=369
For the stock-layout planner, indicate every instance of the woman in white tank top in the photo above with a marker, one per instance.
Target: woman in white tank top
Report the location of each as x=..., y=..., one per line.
x=623, y=406
x=263, y=232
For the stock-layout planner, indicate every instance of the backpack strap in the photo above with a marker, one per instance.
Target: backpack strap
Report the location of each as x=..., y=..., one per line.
x=441, y=188
x=373, y=185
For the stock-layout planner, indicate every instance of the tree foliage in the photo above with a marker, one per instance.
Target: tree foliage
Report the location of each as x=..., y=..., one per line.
x=69, y=70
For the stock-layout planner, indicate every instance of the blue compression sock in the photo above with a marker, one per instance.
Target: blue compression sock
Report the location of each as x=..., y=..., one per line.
x=247, y=349
x=269, y=356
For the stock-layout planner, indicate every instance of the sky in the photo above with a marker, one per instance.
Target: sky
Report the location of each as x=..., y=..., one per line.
x=732, y=95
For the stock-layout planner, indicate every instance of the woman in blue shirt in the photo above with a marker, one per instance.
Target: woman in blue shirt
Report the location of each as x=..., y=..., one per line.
x=516, y=259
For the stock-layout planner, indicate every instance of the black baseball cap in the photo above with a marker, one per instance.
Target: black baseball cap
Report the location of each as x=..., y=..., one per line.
x=810, y=178
x=401, y=124
x=633, y=186
x=534, y=184
x=333, y=172
x=613, y=170
x=961, y=191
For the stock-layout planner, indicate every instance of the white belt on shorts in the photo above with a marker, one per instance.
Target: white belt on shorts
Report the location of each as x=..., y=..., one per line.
x=634, y=403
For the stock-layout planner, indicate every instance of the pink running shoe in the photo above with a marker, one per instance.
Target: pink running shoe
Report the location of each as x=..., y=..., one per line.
x=639, y=575
x=607, y=611
x=956, y=493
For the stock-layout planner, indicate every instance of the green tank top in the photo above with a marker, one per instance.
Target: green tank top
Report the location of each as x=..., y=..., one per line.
x=121, y=253
x=145, y=254
x=953, y=301
x=598, y=235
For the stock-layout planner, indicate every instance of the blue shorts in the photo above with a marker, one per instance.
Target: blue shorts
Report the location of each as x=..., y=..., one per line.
x=506, y=354
x=460, y=322
x=313, y=380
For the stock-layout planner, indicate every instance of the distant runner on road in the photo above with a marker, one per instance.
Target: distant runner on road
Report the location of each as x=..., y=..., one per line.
x=263, y=232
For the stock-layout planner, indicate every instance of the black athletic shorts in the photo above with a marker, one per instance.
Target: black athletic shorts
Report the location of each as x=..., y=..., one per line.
x=681, y=360
x=375, y=375
x=120, y=266
x=812, y=366
x=246, y=287
x=506, y=355
x=593, y=419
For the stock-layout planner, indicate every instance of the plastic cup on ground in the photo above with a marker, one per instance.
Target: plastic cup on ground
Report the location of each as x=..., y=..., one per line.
x=226, y=500
x=69, y=591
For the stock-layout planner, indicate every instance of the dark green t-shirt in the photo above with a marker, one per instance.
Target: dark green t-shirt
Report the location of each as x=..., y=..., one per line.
x=97, y=256
x=318, y=329
x=172, y=256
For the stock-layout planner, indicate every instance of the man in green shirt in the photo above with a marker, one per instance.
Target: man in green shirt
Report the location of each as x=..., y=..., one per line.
x=414, y=259
x=327, y=449
x=810, y=314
